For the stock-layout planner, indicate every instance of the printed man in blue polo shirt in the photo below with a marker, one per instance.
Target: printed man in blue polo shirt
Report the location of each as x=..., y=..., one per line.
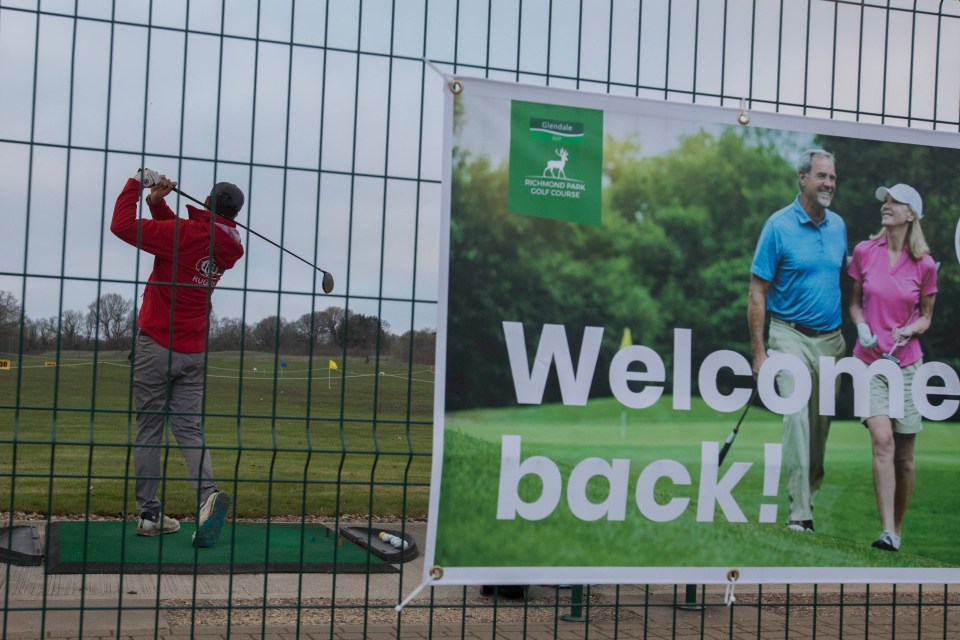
x=795, y=278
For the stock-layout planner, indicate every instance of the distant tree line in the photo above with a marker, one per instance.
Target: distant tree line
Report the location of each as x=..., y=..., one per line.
x=108, y=323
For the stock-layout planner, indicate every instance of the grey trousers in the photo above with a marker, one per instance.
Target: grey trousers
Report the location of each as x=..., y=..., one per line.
x=168, y=386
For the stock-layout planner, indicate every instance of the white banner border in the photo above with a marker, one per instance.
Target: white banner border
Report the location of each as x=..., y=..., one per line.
x=642, y=575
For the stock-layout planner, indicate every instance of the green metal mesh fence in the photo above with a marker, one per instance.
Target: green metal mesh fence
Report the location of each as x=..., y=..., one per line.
x=317, y=408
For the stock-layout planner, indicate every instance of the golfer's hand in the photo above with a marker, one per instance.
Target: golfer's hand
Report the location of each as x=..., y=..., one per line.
x=903, y=335
x=161, y=190
x=865, y=336
x=147, y=177
x=758, y=360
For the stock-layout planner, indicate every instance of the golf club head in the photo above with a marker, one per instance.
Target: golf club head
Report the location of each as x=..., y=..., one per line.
x=895, y=360
x=327, y=282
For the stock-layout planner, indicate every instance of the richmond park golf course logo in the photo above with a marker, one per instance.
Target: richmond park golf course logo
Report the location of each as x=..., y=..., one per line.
x=555, y=162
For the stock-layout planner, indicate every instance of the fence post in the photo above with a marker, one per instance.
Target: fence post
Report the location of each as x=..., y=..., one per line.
x=576, y=605
x=690, y=601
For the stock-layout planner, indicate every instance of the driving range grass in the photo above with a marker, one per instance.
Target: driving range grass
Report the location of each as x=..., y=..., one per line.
x=845, y=515
x=66, y=436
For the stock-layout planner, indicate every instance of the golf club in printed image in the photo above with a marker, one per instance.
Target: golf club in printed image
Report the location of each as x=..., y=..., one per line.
x=736, y=429
x=896, y=343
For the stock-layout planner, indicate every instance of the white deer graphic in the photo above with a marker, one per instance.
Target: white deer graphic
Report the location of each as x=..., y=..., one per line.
x=555, y=167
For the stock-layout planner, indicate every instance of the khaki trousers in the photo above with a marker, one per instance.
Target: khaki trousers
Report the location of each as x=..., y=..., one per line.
x=805, y=432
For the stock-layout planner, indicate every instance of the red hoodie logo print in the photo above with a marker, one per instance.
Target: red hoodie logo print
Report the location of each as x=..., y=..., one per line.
x=207, y=267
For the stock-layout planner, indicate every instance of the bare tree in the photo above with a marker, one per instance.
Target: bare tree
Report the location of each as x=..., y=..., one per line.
x=48, y=331
x=329, y=326
x=312, y=329
x=9, y=321
x=9, y=309
x=291, y=341
x=39, y=335
x=114, y=318
x=72, y=333
x=263, y=335
x=417, y=346
x=226, y=334
x=361, y=332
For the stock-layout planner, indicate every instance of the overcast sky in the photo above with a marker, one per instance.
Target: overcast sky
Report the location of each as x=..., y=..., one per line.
x=339, y=152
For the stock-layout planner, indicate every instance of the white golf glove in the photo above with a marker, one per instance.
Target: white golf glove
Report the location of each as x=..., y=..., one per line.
x=865, y=336
x=147, y=177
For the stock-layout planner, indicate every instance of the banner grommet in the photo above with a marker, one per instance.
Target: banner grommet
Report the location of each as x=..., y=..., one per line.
x=744, y=116
x=456, y=87
x=732, y=576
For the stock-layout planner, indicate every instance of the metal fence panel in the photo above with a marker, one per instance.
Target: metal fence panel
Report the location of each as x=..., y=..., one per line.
x=318, y=408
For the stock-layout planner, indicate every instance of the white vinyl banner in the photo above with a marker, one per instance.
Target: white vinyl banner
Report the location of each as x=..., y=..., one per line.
x=675, y=343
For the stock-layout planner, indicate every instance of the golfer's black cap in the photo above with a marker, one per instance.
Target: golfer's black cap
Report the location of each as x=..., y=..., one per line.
x=226, y=199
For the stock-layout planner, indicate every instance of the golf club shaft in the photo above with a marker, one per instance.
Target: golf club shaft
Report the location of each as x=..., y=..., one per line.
x=736, y=429
x=243, y=226
x=262, y=237
x=896, y=343
x=889, y=354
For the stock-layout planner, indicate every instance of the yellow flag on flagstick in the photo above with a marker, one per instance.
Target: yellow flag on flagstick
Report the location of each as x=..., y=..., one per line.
x=332, y=365
x=625, y=341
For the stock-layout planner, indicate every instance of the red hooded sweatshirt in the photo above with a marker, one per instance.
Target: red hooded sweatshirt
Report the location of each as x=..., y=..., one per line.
x=182, y=250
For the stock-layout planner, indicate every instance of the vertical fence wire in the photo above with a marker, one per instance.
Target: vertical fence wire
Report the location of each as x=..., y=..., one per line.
x=352, y=449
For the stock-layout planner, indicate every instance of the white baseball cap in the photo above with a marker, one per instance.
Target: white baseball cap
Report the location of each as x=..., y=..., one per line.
x=904, y=194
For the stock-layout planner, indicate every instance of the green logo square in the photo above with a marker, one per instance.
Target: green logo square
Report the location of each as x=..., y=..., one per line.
x=556, y=162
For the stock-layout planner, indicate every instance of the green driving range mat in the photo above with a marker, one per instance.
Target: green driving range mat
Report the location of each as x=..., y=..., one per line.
x=114, y=547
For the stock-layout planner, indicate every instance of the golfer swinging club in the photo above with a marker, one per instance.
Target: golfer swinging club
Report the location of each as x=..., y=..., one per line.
x=168, y=363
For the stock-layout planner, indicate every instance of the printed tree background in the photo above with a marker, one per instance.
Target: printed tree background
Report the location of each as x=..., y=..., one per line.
x=674, y=250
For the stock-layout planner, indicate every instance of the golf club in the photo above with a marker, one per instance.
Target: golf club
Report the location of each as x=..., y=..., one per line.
x=889, y=355
x=736, y=429
x=327, y=283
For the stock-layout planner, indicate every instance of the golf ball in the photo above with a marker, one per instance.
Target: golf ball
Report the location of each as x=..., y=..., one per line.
x=394, y=541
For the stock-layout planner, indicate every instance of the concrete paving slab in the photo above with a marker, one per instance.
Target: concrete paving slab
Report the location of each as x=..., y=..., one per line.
x=73, y=618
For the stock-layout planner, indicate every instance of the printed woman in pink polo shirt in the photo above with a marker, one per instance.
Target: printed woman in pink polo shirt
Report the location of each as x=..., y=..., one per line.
x=895, y=283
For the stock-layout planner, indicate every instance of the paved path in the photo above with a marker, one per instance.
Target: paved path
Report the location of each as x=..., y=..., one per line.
x=108, y=606
x=657, y=618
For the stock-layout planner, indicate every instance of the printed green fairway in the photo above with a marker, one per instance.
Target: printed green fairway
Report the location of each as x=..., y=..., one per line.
x=470, y=535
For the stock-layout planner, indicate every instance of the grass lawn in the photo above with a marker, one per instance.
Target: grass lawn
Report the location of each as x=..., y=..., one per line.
x=469, y=533
x=284, y=440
